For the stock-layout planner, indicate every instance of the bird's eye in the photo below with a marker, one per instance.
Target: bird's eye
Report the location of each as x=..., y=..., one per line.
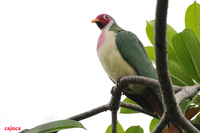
x=106, y=17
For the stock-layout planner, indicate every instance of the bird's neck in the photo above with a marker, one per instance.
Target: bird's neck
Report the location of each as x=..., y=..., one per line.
x=115, y=28
x=112, y=26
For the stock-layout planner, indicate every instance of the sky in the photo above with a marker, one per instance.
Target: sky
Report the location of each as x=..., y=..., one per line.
x=49, y=69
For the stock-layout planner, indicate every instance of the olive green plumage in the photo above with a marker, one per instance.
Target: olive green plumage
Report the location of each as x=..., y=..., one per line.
x=133, y=51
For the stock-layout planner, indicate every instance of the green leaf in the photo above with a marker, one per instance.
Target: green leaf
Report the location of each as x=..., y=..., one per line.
x=134, y=129
x=153, y=123
x=170, y=33
x=187, y=48
x=128, y=111
x=192, y=18
x=196, y=99
x=184, y=105
x=178, y=74
x=150, y=31
x=55, y=126
x=151, y=52
x=119, y=128
x=197, y=119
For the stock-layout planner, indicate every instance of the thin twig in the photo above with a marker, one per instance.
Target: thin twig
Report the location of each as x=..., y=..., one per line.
x=196, y=124
x=137, y=108
x=186, y=125
x=114, y=104
x=90, y=113
x=144, y=81
x=162, y=124
x=188, y=92
x=114, y=121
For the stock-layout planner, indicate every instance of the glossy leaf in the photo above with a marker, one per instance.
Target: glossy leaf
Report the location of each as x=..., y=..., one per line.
x=192, y=18
x=184, y=105
x=151, y=52
x=150, y=31
x=197, y=118
x=170, y=33
x=55, y=126
x=134, y=129
x=128, y=111
x=178, y=74
x=153, y=123
x=187, y=48
x=196, y=99
x=191, y=106
x=119, y=128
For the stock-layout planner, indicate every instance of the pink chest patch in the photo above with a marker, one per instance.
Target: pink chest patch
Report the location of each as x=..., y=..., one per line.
x=101, y=40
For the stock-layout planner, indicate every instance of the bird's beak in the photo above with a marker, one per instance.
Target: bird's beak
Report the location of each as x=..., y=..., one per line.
x=95, y=20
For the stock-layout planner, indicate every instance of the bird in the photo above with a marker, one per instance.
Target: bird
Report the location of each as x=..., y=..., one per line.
x=121, y=53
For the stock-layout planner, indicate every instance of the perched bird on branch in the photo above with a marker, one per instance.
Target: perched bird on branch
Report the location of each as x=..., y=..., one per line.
x=121, y=53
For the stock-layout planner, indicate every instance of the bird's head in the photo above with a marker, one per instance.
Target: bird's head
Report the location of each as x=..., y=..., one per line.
x=103, y=20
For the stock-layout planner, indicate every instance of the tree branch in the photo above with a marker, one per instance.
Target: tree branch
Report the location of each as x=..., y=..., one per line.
x=196, y=124
x=178, y=127
x=161, y=56
x=162, y=124
x=144, y=81
x=114, y=121
x=90, y=113
x=186, y=125
x=137, y=108
x=114, y=103
x=171, y=105
x=187, y=92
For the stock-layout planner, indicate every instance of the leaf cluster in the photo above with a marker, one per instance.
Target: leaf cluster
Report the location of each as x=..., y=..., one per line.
x=183, y=59
x=132, y=129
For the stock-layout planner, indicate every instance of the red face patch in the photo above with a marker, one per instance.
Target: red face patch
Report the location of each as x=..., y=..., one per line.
x=104, y=19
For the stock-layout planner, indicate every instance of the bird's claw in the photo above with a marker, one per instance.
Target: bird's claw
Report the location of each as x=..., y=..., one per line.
x=119, y=78
x=111, y=91
x=117, y=83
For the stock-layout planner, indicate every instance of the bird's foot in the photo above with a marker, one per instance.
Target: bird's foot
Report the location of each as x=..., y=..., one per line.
x=119, y=78
x=111, y=91
x=117, y=83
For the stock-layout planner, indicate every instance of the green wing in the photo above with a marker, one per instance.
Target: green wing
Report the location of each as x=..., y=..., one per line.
x=133, y=51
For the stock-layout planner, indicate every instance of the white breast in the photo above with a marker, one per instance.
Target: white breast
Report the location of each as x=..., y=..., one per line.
x=111, y=60
x=114, y=64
